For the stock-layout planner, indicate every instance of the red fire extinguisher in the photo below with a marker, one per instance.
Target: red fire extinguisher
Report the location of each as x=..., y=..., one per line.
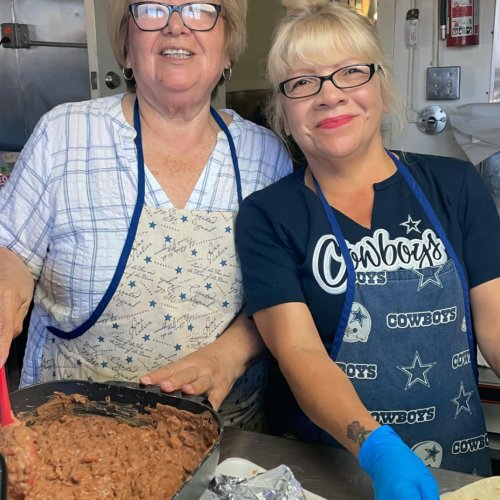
x=463, y=23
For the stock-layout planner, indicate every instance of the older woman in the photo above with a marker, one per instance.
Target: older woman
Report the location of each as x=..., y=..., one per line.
x=121, y=211
x=360, y=268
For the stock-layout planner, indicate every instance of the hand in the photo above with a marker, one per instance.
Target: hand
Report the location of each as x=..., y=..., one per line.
x=206, y=371
x=397, y=473
x=16, y=292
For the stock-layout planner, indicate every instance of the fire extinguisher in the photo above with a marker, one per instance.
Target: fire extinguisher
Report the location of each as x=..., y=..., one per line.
x=463, y=23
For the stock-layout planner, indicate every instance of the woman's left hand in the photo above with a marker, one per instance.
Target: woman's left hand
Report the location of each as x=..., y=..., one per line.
x=213, y=369
x=206, y=371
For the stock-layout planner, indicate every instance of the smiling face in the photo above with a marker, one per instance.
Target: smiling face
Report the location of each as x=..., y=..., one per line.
x=176, y=64
x=335, y=124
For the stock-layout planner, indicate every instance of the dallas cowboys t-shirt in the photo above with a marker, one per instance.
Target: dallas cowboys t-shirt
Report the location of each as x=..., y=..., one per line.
x=283, y=234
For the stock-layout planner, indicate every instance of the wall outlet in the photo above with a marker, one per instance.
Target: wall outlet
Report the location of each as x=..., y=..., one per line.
x=443, y=83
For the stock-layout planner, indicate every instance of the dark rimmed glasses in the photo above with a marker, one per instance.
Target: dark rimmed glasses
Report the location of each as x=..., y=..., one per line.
x=347, y=77
x=154, y=16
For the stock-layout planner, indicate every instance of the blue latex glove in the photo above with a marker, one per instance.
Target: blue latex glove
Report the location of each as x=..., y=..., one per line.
x=397, y=473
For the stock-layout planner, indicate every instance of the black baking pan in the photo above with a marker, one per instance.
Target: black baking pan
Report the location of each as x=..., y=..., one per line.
x=135, y=399
x=3, y=479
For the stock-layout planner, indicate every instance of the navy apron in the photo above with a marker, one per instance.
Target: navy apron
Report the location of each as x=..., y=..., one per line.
x=407, y=348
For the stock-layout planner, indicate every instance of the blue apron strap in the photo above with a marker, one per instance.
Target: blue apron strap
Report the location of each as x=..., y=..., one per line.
x=232, y=147
x=122, y=262
x=449, y=248
x=127, y=247
x=351, y=275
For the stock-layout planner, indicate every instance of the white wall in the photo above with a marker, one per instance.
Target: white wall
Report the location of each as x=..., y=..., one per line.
x=475, y=63
x=249, y=72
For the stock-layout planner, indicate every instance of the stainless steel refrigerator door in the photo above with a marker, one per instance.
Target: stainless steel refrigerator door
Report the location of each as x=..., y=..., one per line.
x=34, y=80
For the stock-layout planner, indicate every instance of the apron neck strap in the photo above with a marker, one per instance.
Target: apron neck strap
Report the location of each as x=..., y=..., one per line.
x=232, y=147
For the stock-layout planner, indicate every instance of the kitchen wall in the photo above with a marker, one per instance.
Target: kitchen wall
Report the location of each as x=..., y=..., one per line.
x=249, y=72
x=29, y=76
x=475, y=63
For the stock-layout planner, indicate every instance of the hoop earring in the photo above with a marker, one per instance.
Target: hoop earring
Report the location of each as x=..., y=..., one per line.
x=130, y=75
x=227, y=76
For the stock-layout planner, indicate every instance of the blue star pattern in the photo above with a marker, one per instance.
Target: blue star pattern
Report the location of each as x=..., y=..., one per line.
x=177, y=263
x=462, y=401
x=417, y=372
x=358, y=316
x=430, y=276
x=432, y=453
x=411, y=225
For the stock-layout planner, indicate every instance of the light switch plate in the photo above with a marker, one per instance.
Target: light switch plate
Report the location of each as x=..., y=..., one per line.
x=443, y=83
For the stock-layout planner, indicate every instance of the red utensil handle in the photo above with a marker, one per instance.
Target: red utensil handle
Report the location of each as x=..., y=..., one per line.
x=6, y=415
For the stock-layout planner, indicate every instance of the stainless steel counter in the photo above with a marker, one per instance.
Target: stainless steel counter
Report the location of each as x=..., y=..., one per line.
x=328, y=472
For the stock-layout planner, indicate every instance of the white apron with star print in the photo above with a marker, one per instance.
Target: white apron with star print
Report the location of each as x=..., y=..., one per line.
x=180, y=290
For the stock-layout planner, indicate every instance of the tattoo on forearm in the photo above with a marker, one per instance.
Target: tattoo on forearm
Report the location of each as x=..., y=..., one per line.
x=357, y=433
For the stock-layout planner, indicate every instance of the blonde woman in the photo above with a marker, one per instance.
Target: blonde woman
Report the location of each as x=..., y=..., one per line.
x=370, y=274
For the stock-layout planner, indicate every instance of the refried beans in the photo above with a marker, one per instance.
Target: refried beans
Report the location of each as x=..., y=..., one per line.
x=81, y=455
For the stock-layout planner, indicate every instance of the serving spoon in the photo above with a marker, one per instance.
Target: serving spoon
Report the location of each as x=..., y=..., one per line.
x=6, y=415
x=6, y=418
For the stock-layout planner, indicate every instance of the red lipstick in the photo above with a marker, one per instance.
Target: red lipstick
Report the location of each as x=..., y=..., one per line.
x=335, y=121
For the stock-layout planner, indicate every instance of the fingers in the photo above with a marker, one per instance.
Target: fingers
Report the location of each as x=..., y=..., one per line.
x=196, y=379
x=216, y=397
x=205, y=385
x=174, y=377
x=6, y=326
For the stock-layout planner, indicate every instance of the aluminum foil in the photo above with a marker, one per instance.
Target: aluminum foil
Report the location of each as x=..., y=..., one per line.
x=274, y=484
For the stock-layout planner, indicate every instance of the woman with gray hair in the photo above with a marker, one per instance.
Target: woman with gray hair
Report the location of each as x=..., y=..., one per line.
x=120, y=214
x=364, y=269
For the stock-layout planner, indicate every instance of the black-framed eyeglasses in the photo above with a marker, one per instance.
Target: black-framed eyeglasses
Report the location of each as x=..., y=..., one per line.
x=343, y=78
x=154, y=16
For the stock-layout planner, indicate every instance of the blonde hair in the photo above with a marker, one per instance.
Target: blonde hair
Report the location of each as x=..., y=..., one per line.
x=234, y=15
x=313, y=32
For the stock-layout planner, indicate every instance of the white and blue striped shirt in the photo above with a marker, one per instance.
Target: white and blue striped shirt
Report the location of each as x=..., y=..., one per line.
x=67, y=206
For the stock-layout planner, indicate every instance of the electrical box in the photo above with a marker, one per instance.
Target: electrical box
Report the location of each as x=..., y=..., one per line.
x=14, y=36
x=443, y=83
